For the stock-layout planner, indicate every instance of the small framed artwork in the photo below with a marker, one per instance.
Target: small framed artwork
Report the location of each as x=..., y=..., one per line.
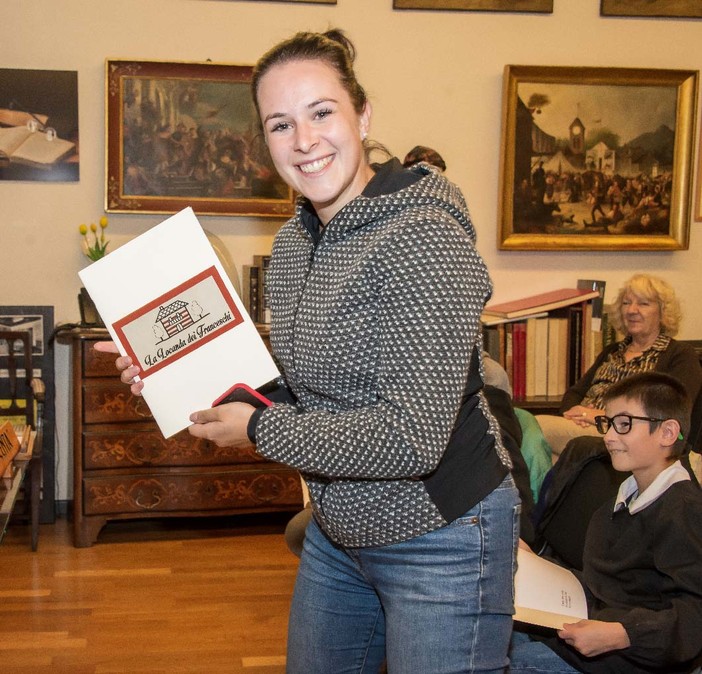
x=39, y=321
x=677, y=9
x=187, y=134
x=39, y=125
x=596, y=158
x=539, y=6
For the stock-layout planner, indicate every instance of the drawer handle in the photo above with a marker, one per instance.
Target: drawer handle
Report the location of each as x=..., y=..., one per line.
x=156, y=499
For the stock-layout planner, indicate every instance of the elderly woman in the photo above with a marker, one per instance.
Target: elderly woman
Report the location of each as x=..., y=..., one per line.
x=647, y=312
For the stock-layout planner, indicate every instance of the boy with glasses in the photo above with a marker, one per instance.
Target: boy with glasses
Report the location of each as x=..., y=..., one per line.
x=643, y=554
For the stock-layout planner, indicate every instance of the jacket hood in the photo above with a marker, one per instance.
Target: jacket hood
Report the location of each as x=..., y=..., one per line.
x=429, y=191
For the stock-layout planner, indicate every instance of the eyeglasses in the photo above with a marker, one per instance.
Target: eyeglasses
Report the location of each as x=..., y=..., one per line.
x=620, y=422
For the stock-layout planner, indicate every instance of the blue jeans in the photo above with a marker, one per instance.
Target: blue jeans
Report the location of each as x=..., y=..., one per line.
x=440, y=603
x=533, y=657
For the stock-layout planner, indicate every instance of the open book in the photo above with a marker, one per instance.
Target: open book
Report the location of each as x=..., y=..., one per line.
x=35, y=148
x=168, y=303
x=547, y=594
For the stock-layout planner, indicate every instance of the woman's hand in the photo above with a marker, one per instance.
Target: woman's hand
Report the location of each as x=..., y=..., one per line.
x=225, y=425
x=582, y=415
x=594, y=637
x=124, y=365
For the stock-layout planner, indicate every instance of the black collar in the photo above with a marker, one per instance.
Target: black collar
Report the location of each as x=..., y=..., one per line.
x=389, y=177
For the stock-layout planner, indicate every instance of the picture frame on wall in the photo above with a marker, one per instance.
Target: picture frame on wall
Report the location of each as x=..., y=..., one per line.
x=184, y=134
x=39, y=321
x=676, y=9
x=596, y=158
x=539, y=6
x=39, y=125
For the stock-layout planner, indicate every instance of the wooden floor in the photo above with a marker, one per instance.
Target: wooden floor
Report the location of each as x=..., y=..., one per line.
x=160, y=596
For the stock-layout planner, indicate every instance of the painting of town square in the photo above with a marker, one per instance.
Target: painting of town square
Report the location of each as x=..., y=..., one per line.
x=597, y=165
x=187, y=134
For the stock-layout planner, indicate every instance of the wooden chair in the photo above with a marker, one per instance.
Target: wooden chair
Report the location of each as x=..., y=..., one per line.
x=25, y=394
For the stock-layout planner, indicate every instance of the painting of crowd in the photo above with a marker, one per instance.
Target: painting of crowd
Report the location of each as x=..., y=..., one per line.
x=587, y=181
x=185, y=139
x=592, y=202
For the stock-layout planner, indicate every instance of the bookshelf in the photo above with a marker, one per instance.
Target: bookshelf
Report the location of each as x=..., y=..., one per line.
x=546, y=343
x=255, y=290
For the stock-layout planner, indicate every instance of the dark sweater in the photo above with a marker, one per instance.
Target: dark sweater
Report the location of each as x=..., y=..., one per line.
x=645, y=571
x=376, y=327
x=679, y=360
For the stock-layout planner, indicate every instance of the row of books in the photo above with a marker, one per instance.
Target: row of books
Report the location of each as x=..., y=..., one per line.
x=546, y=342
x=255, y=289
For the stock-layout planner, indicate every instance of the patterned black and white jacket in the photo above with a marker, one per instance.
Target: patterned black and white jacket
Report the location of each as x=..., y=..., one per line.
x=376, y=330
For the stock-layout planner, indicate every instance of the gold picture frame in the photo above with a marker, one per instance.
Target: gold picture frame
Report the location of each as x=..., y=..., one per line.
x=183, y=134
x=539, y=6
x=677, y=9
x=596, y=158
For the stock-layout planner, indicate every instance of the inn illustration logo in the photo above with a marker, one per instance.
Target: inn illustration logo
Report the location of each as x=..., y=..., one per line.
x=178, y=322
x=176, y=317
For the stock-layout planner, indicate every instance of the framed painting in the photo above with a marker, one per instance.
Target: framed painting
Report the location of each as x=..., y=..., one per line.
x=39, y=320
x=187, y=134
x=539, y=6
x=678, y=9
x=596, y=158
x=39, y=125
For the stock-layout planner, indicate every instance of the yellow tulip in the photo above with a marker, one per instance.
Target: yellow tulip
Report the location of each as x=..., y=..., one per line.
x=98, y=248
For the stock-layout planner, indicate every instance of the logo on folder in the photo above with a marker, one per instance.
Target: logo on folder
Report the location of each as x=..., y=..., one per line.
x=178, y=322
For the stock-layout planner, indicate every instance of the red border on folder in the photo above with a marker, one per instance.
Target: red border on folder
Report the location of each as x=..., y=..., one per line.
x=237, y=319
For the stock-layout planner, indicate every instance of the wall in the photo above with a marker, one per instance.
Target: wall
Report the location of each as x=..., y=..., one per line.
x=433, y=77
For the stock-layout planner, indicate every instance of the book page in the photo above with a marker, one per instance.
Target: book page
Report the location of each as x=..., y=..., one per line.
x=37, y=149
x=12, y=138
x=20, y=118
x=168, y=303
x=547, y=594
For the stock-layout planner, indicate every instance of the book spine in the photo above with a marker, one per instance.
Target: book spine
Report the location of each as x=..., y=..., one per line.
x=491, y=342
x=598, y=302
x=519, y=358
x=250, y=291
x=541, y=357
x=509, y=355
x=586, y=339
x=530, y=363
x=263, y=262
x=501, y=332
x=575, y=321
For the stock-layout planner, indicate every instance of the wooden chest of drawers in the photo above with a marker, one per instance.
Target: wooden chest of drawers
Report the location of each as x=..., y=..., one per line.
x=123, y=468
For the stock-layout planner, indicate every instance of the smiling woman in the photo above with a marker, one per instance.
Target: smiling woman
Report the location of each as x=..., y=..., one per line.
x=648, y=313
x=376, y=290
